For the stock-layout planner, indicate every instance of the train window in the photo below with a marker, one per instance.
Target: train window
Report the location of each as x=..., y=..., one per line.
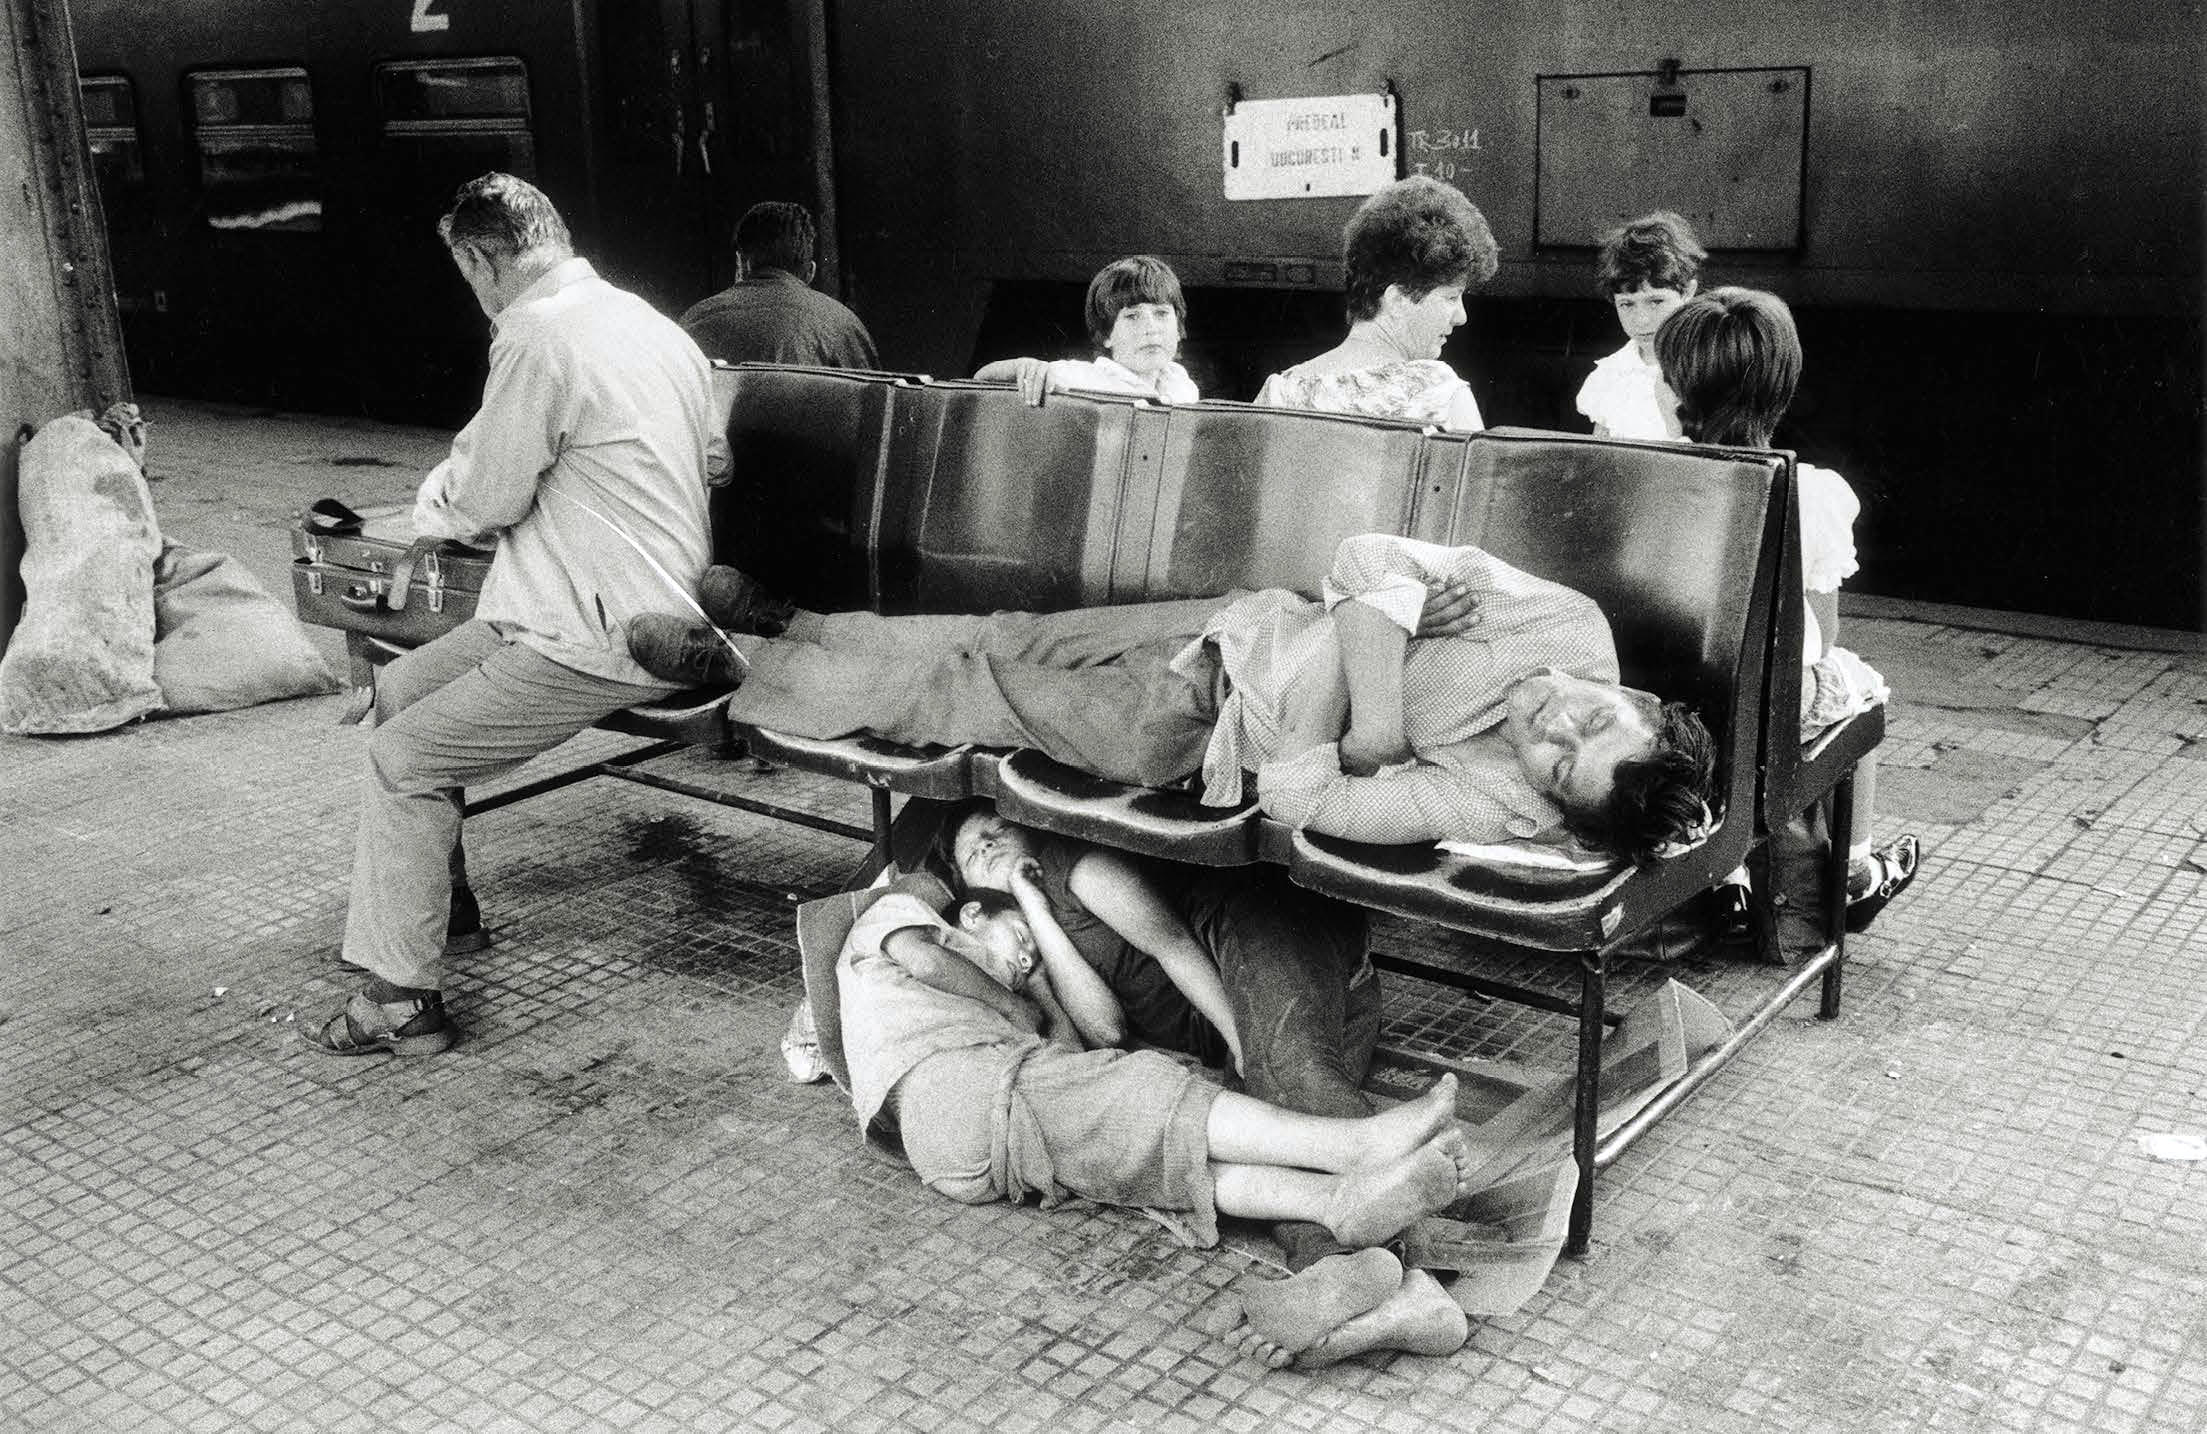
x=258, y=162
x=415, y=90
x=458, y=116
x=111, y=127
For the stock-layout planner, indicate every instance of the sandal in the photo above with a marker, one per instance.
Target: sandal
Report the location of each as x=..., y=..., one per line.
x=361, y=1030
x=1893, y=868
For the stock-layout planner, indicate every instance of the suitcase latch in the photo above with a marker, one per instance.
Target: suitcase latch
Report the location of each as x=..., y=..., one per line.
x=313, y=546
x=433, y=572
x=314, y=581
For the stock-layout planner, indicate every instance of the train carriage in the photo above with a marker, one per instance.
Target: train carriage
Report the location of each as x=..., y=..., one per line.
x=1984, y=215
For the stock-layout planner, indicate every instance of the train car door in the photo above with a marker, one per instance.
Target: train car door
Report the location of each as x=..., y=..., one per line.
x=708, y=110
x=653, y=200
x=439, y=121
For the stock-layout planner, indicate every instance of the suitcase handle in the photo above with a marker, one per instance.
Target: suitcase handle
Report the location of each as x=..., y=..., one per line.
x=422, y=551
x=362, y=597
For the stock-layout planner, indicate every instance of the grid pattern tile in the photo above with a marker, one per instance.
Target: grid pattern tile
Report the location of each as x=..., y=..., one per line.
x=606, y=1209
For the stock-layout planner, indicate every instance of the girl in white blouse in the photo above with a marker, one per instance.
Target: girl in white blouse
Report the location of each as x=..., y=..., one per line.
x=1728, y=365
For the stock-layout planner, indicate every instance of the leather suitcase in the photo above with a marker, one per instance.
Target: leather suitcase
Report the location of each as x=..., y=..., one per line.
x=365, y=572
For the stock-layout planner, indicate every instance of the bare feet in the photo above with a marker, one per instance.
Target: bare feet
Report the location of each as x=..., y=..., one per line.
x=1419, y=1318
x=1398, y=1130
x=1371, y=1204
x=1282, y=1318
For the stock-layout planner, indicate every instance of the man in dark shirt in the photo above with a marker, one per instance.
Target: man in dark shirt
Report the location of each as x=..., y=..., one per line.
x=772, y=314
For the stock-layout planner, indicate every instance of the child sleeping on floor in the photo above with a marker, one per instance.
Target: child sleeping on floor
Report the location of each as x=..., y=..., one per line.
x=956, y=1040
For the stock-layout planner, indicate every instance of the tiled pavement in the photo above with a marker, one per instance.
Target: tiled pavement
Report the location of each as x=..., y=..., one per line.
x=607, y=1210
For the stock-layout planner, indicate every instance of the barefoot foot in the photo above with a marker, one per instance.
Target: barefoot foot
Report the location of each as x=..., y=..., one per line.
x=1419, y=1318
x=1291, y=1314
x=1371, y=1204
x=1247, y=1341
x=1398, y=1130
x=1469, y=1159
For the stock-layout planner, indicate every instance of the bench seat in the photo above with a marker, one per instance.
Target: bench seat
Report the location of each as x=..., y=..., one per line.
x=697, y=716
x=1037, y=791
x=1550, y=911
x=942, y=774
x=1572, y=910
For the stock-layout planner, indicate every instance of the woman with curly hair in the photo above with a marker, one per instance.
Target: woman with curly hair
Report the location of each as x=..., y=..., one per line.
x=1410, y=251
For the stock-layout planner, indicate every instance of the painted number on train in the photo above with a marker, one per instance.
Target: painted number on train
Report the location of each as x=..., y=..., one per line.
x=426, y=20
x=1432, y=151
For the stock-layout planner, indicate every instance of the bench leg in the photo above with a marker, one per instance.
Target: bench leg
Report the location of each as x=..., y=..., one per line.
x=1762, y=904
x=878, y=858
x=1586, y=1115
x=1840, y=825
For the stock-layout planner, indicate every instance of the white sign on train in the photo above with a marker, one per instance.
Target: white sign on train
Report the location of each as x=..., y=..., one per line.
x=427, y=21
x=1313, y=148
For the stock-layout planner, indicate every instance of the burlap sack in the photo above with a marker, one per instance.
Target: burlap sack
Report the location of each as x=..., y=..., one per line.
x=220, y=641
x=81, y=659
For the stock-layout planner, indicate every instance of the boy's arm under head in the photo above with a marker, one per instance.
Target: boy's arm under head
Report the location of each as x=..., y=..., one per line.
x=931, y=956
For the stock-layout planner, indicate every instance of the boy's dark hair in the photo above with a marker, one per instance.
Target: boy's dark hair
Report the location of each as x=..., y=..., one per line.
x=776, y=235
x=500, y=217
x=946, y=832
x=991, y=902
x=1655, y=799
x=1657, y=250
x=1123, y=283
x=1417, y=234
x=1733, y=358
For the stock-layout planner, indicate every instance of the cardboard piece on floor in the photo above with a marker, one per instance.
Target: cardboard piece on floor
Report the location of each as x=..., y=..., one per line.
x=1506, y=1237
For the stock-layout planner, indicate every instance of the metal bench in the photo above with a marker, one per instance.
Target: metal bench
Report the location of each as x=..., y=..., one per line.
x=1692, y=553
x=904, y=494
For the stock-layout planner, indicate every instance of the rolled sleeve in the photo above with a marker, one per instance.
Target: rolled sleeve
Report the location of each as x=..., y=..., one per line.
x=1390, y=575
x=898, y=911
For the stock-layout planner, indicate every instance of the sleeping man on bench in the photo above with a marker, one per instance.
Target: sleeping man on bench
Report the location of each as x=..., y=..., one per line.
x=1355, y=725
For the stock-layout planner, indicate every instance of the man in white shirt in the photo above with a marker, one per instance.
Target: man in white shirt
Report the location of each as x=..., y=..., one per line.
x=586, y=466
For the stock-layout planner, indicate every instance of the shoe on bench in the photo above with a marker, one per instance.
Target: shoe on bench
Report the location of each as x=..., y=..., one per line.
x=682, y=649
x=738, y=602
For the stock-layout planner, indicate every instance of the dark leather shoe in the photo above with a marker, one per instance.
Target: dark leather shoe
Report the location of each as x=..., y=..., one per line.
x=1893, y=869
x=683, y=650
x=463, y=924
x=736, y=602
x=1730, y=920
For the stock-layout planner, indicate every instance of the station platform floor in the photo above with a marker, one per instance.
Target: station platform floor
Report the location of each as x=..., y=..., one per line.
x=1960, y=1206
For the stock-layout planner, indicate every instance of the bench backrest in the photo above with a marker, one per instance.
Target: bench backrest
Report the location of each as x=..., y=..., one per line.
x=809, y=449
x=992, y=504
x=1251, y=497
